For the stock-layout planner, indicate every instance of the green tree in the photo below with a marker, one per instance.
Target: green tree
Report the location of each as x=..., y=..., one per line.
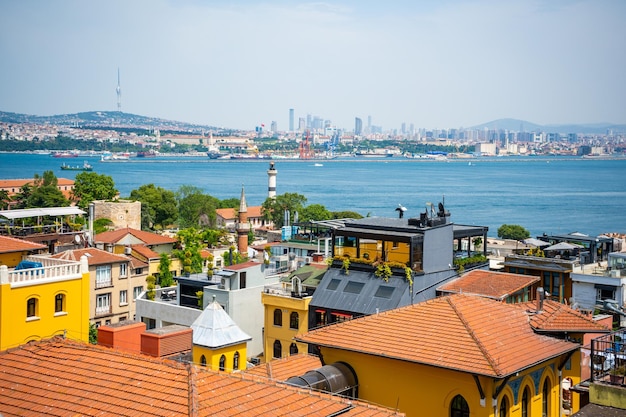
x=166, y=278
x=45, y=192
x=237, y=257
x=230, y=203
x=4, y=199
x=191, y=240
x=101, y=225
x=195, y=209
x=346, y=215
x=90, y=186
x=213, y=237
x=513, y=231
x=158, y=206
x=93, y=334
x=273, y=209
x=22, y=197
x=314, y=212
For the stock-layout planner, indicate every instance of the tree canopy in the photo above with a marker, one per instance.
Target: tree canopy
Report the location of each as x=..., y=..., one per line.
x=158, y=206
x=273, y=209
x=90, y=186
x=43, y=192
x=195, y=209
x=513, y=231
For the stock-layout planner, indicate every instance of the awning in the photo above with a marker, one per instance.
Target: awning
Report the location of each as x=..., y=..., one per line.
x=38, y=212
x=349, y=316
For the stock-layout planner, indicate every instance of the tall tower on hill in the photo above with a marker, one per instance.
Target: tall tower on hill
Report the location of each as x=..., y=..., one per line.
x=243, y=226
x=118, y=90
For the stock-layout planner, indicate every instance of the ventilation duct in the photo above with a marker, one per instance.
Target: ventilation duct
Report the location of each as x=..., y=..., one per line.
x=337, y=378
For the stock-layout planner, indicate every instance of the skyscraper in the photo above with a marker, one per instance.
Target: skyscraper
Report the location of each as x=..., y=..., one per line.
x=358, y=126
x=291, y=120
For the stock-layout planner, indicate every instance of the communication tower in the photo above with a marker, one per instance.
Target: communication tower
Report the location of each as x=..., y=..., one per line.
x=118, y=90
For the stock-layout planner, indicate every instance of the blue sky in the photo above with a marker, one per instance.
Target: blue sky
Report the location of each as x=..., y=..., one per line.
x=237, y=64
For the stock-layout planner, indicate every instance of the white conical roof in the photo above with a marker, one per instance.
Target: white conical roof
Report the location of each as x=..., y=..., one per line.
x=214, y=328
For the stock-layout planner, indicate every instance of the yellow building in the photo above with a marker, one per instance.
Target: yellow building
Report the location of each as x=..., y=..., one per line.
x=458, y=355
x=44, y=301
x=286, y=307
x=218, y=343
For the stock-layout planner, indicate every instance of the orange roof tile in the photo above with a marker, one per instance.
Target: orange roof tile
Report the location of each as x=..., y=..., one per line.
x=145, y=251
x=285, y=368
x=237, y=267
x=11, y=244
x=557, y=317
x=461, y=332
x=115, y=236
x=64, y=377
x=490, y=284
x=94, y=256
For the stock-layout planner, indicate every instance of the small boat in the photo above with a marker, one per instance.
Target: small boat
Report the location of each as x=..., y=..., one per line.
x=317, y=164
x=84, y=167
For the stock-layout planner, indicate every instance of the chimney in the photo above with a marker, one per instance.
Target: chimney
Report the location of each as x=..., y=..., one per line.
x=541, y=295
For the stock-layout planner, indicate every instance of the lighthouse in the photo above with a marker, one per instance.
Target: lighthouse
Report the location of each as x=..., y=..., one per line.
x=271, y=181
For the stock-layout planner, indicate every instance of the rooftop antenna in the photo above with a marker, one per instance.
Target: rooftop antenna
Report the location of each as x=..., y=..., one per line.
x=401, y=209
x=118, y=90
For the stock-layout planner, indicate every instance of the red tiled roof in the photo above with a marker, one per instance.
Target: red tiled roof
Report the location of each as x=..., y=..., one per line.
x=11, y=244
x=114, y=236
x=231, y=213
x=64, y=377
x=557, y=317
x=466, y=333
x=238, y=267
x=285, y=368
x=145, y=251
x=491, y=284
x=94, y=256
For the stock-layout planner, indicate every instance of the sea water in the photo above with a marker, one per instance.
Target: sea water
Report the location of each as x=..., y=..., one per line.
x=553, y=195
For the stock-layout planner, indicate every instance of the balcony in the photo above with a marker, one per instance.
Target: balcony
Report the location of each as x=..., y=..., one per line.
x=50, y=270
x=608, y=358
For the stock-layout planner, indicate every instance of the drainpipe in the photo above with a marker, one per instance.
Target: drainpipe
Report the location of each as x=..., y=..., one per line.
x=560, y=392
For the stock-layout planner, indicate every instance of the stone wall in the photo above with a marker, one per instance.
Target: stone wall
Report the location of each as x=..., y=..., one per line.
x=122, y=213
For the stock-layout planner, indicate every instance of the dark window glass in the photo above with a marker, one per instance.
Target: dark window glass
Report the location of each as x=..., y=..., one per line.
x=58, y=303
x=222, y=363
x=293, y=349
x=278, y=317
x=31, y=307
x=384, y=291
x=353, y=287
x=333, y=284
x=278, y=349
x=236, y=361
x=459, y=407
x=294, y=320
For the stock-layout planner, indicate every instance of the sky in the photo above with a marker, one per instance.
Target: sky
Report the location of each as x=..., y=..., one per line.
x=238, y=64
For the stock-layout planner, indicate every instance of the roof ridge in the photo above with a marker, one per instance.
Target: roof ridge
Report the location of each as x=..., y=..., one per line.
x=193, y=392
x=492, y=362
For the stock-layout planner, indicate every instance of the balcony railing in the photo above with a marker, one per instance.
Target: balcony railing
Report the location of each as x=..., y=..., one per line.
x=608, y=358
x=51, y=269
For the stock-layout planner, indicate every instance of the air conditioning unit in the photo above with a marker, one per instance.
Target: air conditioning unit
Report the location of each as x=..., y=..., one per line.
x=308, y=259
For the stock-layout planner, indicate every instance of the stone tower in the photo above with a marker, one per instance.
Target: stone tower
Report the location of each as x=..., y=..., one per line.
x=243, y=226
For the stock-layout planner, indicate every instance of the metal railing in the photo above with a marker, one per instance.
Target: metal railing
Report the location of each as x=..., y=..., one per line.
x=608, y=358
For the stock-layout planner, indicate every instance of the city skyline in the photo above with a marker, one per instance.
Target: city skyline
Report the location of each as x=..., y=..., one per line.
x=432, y=64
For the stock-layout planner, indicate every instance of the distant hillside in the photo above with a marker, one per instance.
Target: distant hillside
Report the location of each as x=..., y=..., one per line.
x=517, y=125
x=101, y=118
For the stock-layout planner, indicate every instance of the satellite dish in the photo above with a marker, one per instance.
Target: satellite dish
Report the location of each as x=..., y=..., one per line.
x=77, y=238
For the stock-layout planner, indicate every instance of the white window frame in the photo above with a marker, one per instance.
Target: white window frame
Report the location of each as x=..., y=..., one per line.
x=103, y=276
x=137, y=291
x=123, y=270
x=123, y=297
x=103, y=303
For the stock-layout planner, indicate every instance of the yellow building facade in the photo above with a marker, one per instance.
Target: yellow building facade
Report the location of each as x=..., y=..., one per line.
x=229, y=358
x=285, y=317
x=43, y=302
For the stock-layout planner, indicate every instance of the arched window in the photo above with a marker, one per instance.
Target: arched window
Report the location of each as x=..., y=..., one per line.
x=545, y=398
x=59, y=303
x=278, y=317
x=294, y=320
x=278, y=349
x=203, y=360
x=459, y=407
x=504, y=407
x=526, y=402
x=31, y=307
x=236, y=361
x=293, y=349
x=222, y=363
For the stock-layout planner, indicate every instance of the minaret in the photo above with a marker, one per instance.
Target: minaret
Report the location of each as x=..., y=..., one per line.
x=118, y=90
x=271, y=180
x=243, y=227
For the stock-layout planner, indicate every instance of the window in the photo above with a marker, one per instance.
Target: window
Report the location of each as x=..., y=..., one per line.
x=203, y=360
x=320, y=318
x=236, y=361
x=605, y=292
x=504, y=407
x=333, y=284
x=138, y=271
x=525, y=402
x=137, y=292
x=545, y=398
x=294, y=321
x=242, y=280
x=103, y=276
x=123, y=270
x=384, y=291
x=123, y=297
x=31, y=308
x=278, y=349
x=59, y=303
x=222, y=362
x=103, y=303
x=353, y=287
x=459, y=407
x=278, y=317
x=293, y=349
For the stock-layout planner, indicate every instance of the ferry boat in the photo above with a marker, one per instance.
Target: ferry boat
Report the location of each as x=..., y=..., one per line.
x=65, y=154
x=84, y=167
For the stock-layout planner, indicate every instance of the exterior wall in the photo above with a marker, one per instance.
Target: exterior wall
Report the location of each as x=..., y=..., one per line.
x=584, y=291
x=73, y=322
x=213, y=356
x=159, y=345
x=165, y=314
x=11, y=259
x=438, y=250
x=119, y=311
x=394, y=384
x=284, y=334
x=126, y=338
x=607, y=395
x=122, y=213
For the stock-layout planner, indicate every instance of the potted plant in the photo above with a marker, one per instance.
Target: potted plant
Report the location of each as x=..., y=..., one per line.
x=616, y=375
